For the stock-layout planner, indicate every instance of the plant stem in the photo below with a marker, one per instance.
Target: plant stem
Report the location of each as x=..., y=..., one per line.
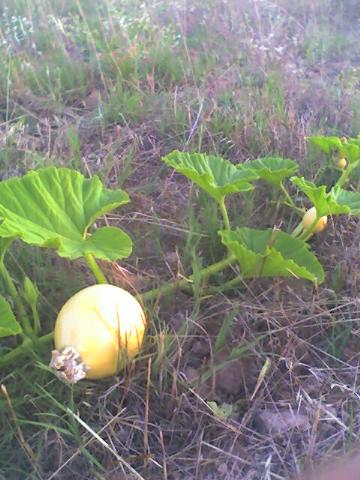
x=290, y=203
x=36, y=319
x=308, y=232
x=184, y=283
x=27, y=347
x=344, y=176
x=224, y=213
x=234, y=282
x=287, y=196
x=94, y=267
x=298, y=210
x=24, y=319
x=297, y=230
x=306, y=235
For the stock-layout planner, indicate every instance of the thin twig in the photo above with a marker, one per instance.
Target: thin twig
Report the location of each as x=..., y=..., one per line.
x=104, y=444
x=146, y=415
x=21, y=439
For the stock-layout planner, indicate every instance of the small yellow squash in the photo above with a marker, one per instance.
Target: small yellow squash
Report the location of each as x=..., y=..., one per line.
x=342, y=163
x=309, y=219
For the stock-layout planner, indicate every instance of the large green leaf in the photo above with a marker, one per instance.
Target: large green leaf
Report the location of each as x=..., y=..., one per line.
x=350, y=199
x=336, y=202
x=217, y=176
x=8, y=324
x=351, y=152
x=54, y=207
x=271, y=169
x=271, y=253
x=325, y=144
x=110, y=243
x=333, y=145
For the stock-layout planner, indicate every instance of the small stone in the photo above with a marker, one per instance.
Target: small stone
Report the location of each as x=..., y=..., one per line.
x=278, y=422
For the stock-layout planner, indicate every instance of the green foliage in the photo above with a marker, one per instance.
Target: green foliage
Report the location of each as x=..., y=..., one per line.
x=271, y=253
x=222, y=411
x=166, y=66
x=275, y=92
x=124, y=105
x=31, y=292
x=225, y=329
x=349, y=148
x=55, y=207
x=8, y=323
x=271, y=169
x=326, y=144
x=74, y=145
x=58, y=76
x=337, y=201
x=217, y=176
x=349, y=199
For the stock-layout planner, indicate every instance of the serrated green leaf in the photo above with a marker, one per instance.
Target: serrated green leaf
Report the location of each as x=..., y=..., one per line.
x=333, y=145
x=346, y=198
x=271, y=169
x=271, y=253
x=54, y=207
x=8, y=323
x=217, y=176
x=354, y=141
x=351, y=152
x=107, y=243
x=336, y=202
x=325, y=144
x=222, y=411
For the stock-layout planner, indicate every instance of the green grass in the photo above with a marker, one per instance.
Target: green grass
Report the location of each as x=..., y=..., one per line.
x=110, y=87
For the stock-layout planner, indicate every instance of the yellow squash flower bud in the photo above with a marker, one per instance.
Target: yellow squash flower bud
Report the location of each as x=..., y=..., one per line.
x=309, y=218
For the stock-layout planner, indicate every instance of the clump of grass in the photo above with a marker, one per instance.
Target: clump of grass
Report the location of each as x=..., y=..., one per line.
x=124, y=106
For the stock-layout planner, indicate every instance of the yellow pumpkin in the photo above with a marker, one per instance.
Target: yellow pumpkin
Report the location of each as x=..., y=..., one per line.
x=104, y=325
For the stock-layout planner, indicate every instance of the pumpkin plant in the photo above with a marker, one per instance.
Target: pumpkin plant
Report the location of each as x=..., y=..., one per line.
x=101, y=327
